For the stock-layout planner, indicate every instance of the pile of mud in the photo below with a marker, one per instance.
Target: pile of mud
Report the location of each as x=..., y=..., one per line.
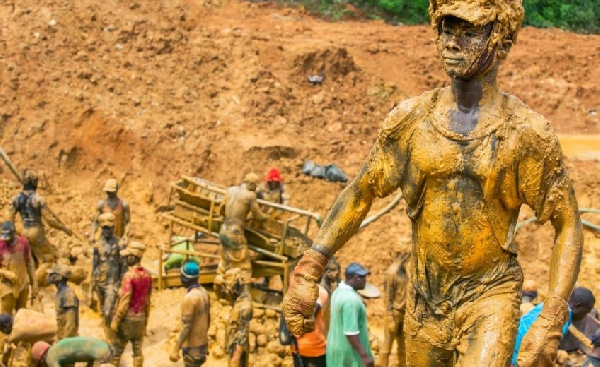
x=147, y=91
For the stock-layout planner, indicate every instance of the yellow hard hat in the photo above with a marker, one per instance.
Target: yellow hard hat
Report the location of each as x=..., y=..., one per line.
x=134, y=248
x=106, y=220
x=111, y=185
x=251, y=178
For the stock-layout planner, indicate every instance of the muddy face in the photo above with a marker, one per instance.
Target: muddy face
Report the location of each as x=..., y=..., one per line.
x=463, y=47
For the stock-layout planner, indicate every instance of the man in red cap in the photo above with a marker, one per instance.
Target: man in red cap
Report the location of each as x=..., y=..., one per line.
x=272, y=189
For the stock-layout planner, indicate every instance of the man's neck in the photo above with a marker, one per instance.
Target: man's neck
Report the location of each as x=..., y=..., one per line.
x=468, y=94
x=61, y=285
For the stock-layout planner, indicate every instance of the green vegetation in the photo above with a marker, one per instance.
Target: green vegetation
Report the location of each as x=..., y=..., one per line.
x=575, y=15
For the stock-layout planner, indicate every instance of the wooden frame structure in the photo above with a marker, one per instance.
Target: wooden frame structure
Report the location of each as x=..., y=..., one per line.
x=277, y=242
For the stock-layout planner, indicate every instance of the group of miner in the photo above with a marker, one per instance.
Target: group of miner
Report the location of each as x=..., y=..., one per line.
x=120, y=285
x=120, y=288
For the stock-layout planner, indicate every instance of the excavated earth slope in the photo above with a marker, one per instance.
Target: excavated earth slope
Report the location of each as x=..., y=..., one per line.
x=146, y=91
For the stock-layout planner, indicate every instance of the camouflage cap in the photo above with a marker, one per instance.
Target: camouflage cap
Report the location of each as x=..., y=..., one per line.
x=60, y=270
x=508, y=15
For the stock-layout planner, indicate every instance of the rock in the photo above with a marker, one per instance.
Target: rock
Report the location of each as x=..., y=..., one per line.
x=258, y=313
x=271, y=313
x=318, y=98
x=217, y=352
x=261, y=340
x=221, y=337
x=252, y=342
x=276, y=348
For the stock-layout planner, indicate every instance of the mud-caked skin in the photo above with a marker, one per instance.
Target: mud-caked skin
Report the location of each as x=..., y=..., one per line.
x=131, y=313
x=237, y=203
x=107, y=271
x=32, y=207
x=238, y=331
x=466, y=158
x=115, y=205
x=395, y=287
x=17, y=271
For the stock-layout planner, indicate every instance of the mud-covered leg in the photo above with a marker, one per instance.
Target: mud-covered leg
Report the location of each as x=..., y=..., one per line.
x=489, y=337
x=401, y=351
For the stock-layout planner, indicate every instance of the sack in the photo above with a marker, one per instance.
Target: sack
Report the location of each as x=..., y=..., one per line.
x=31, y=326
x=334, y=174
x=285, y=337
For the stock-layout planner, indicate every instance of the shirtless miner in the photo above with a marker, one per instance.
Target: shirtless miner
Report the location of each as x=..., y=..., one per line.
x=32, y=207
x=117, y=206
x=237, y=203
x=466, y=158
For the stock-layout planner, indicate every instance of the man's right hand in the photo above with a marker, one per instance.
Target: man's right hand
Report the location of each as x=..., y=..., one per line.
x=301, y=297
x=174, y=355
x=368, y=361
x=8, y=275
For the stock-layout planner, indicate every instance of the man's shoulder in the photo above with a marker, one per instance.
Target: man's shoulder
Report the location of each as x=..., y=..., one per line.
x=530, y=125
x=409, y=112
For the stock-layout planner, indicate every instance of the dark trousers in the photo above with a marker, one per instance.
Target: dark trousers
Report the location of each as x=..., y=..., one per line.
x=314, y=361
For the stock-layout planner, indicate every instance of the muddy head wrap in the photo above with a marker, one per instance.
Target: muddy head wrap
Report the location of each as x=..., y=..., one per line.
x=507, y=16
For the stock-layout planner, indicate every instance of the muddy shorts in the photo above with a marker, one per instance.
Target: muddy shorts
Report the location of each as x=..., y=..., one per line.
x=478, y=330
x=195, y=356
x=41, y=248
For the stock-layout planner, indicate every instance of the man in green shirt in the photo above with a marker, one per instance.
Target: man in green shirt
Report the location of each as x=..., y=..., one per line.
x=72, y=350
x=348, y=338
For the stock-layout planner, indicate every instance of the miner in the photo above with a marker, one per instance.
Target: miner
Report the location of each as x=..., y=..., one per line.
x=133, y=306
x=66, y=303
x=117, y=206
x=32, y=207
x=69, y=351
x=237, y=203
x=195, y=316
x=107, y=269
x=466, y=157
x=17, y=271
x=273, y=189
x=238, y=329
x=395, y=287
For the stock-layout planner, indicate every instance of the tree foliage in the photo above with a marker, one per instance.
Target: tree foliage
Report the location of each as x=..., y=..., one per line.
x=576, y=15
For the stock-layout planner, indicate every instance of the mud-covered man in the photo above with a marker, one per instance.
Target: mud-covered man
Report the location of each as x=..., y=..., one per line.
x=466, y=158
x=69, y=351
x=17, y=271
x=32, y=207
x=107, y=268
x=395, y=287
x=237, y=203
x=237, y=340
x=66, y=303
x=195, y=316
x=133, y=306
x=115, y=205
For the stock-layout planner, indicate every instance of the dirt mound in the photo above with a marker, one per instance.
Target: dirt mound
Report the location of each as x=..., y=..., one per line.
x=147, y=91
x=330, y=63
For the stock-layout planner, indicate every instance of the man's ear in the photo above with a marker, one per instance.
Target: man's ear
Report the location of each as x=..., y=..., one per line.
x=504, y=48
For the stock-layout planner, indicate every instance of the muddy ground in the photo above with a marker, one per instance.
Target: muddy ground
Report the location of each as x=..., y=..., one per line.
x=148, y=91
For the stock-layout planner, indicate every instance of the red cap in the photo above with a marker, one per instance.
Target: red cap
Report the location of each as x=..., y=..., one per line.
x=274, y=175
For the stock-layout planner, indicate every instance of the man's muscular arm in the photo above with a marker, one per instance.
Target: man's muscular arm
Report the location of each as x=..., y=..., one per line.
x=127, y=219
x=341, y=223
x=545, y=187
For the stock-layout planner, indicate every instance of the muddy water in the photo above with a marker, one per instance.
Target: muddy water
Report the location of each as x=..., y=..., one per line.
x=580, y=146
